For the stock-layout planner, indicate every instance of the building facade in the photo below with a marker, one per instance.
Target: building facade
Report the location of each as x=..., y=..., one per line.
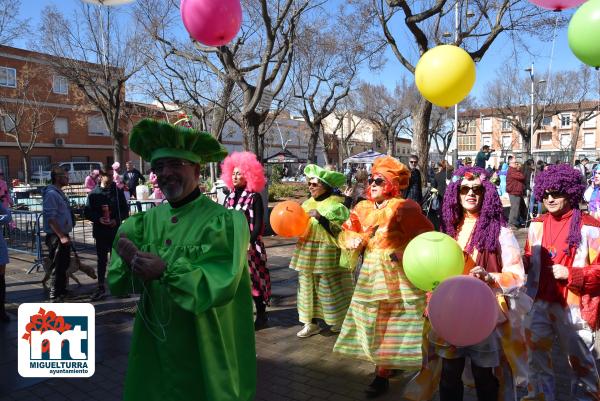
x=552, y=141
x=48, y=117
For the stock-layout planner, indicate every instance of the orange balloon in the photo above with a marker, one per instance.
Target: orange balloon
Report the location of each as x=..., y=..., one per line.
x=288, y=219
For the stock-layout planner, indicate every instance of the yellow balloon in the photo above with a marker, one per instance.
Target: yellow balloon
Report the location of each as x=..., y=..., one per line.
x=445, y=75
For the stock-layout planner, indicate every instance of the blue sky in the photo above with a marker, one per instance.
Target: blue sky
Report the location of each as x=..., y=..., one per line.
x=487, y=69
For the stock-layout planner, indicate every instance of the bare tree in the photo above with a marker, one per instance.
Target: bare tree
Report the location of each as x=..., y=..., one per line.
x=577, y=89
x=25, y=113
x=425, y=23
x=99, y=50
x=509, y=98
x=329, y=51
x=258, y=60
x=11, y=26
x=387, y=111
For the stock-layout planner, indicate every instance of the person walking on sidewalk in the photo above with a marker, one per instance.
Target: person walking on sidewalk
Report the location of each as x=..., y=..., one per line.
x=245, y=178
x=386, y=313
x=515, y=186
x=324, y=288
x=58, y=223
x=562, y=263
x=414, y=190
x=106, y=208
x=5, y=218
x=193, y=336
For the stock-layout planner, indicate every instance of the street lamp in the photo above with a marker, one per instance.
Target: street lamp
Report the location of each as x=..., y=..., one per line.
x=532, y=78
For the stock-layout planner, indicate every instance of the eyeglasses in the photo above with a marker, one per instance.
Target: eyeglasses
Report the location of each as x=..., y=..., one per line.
x=314, y=184
x=554, y=194
x=477, y=189
x=159, y=167
x=378, y=181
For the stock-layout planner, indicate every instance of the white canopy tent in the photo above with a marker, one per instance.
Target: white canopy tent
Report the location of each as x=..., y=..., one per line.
x=366, y=157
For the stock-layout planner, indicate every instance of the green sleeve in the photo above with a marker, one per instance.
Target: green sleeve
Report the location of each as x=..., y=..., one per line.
x=213, y=277
x=335, y=212
x=120, y=280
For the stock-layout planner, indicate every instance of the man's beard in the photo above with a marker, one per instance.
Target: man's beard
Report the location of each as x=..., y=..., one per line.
x=171, y=188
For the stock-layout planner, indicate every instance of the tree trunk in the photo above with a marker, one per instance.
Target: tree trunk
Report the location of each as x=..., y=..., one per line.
x=421, y=118
x=312, y=143
x=574, y=139
x=118, y=146
x=220, y=111
x=250, y=128
x=390, y=139
x=25, y=157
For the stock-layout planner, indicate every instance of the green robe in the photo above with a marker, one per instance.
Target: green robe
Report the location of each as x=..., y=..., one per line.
x=193, y=337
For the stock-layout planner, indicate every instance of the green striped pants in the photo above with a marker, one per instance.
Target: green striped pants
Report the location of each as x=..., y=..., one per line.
x=324, y=296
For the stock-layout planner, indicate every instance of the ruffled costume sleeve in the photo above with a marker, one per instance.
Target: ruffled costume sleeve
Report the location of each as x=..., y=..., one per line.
x=513, y=273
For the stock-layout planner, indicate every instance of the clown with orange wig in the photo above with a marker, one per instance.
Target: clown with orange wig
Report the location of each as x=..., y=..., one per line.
x=244, y=176
x=384, y=323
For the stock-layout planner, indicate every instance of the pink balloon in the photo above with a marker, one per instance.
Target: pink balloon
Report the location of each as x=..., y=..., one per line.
x=557, y=5
x=463, y=310
x=212, y=22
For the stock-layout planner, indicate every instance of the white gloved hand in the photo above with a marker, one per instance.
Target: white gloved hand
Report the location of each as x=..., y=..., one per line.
x=560, y=272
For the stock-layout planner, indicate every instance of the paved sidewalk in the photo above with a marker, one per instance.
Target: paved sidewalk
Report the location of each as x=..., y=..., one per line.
x=289, y=368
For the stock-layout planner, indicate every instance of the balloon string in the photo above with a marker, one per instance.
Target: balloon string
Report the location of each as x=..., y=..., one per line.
x=548, y=79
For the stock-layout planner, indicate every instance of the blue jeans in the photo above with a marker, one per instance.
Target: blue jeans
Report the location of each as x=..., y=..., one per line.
x=532, y=203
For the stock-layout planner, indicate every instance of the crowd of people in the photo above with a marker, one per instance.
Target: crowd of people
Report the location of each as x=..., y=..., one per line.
x=200, y=267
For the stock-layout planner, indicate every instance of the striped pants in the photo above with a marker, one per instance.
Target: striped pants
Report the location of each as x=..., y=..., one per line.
x=324, y=296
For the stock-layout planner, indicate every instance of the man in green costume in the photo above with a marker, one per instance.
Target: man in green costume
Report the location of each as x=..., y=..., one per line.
x=193, y=337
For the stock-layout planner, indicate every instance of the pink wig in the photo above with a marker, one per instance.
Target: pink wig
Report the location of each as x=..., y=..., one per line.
x=249, y=166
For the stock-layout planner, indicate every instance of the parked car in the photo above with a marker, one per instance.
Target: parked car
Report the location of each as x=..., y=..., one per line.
x=77, y=171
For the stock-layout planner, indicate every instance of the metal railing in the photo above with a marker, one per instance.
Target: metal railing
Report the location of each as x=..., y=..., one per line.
x=23, y=235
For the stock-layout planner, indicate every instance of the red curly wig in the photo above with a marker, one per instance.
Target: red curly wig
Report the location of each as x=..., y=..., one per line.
x=390, y=189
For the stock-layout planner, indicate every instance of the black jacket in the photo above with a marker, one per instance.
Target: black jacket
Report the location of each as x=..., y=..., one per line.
x=119, y=209
x=414, y=190
x=132, y=179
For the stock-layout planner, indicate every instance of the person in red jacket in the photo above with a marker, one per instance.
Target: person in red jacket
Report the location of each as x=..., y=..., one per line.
x=515, y=187
x=563, y=277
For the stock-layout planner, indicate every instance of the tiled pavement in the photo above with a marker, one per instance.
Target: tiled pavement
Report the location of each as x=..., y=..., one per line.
x=288, y=368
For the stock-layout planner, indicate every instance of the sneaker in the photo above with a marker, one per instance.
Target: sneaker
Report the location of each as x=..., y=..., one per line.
x=98, y=295
x=336, y=328
x=309, y=329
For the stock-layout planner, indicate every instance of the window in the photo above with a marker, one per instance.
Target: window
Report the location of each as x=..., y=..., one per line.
x=506, y=142
x=589, y=140
x=565, y=120
x=96, y=126
x=486, y=124
x=40, y=163
x=467, y=143
x=8, y=123
x=60, y=85
x=81, y=167
x=80, y=159
x=8, y=77
x=61, y=125
x=591, y=123
x=4, y=166
x=547, y=121
x=471, y=127
x=506, y=125
x=486, y=140
x=545, y=138
x=565, y=140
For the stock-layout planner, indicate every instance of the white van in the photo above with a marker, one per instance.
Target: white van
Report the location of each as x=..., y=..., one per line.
x=77, y=171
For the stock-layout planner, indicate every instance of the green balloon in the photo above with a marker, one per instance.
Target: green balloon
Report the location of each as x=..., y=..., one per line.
x=584, y=33
x=430, y=258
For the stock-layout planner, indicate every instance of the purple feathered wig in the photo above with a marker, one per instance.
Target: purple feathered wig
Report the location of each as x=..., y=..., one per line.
x=249, y=166
x=563, y=178
x=486, y=233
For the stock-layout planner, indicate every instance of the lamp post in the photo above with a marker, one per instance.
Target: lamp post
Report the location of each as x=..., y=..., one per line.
x=447, y=35
x=532, y=93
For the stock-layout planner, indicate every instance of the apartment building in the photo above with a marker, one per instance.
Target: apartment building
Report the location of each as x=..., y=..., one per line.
x=45, y=112
x=551, y=141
